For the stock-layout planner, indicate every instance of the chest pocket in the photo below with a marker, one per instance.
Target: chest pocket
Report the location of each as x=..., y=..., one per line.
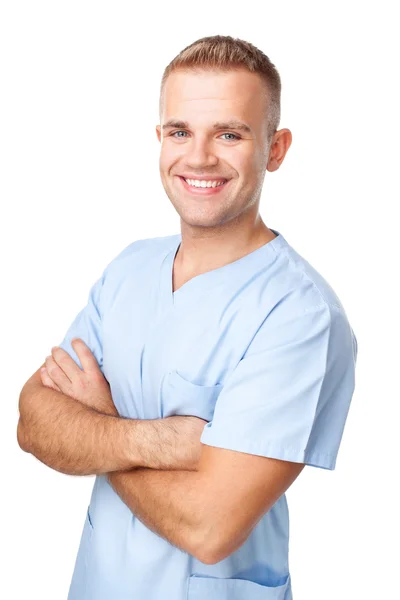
x=178, y=396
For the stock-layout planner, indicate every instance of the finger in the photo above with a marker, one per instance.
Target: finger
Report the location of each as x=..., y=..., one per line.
x=87, y=358
x=65, y=362
x=47, y=381
x=57, y=375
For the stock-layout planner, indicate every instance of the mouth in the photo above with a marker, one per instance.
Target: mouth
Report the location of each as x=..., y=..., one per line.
x=205, y=187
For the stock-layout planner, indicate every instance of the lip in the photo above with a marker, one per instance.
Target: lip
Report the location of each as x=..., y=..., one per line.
x=201, y=178
x=211, y=191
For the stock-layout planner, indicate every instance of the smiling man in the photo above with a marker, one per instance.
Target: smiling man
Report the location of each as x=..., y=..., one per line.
x=210, y=367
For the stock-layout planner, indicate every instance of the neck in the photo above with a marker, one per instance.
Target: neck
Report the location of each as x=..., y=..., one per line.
x=204, y=249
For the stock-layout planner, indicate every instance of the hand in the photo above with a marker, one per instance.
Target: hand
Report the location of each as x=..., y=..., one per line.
x=88, y=386
x=189, y=430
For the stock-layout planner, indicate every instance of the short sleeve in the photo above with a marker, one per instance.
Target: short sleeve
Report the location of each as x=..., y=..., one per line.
x=289, y=396
x=87, y=325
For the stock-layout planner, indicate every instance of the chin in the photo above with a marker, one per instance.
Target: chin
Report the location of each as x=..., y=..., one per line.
x=203, y=220
x=198, y=217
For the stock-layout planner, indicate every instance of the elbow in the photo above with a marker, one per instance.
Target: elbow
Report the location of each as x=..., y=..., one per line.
x=22, y=433
x=22, y=436
x=208, y=559
x=212, y=556
x=199, y=546
x=208, y=545
x=24, y=410
x=217, y=543
x=208, y=556
x=26, y=404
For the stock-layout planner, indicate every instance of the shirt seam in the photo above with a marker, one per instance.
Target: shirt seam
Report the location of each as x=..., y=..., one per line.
x=298, y=268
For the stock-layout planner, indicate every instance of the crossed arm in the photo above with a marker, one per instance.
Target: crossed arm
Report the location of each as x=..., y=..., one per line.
x=179, y=488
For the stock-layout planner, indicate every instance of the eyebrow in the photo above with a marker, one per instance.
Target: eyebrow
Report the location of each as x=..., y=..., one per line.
x=232, y=124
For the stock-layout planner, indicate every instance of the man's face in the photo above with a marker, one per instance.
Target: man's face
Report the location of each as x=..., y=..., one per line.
x=195, y=149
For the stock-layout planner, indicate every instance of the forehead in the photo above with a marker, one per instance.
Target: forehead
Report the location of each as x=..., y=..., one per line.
x=198, y=95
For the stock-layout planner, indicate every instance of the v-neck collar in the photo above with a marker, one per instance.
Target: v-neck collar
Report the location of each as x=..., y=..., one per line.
x=204, y=281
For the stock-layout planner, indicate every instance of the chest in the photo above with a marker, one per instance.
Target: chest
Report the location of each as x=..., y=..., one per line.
x=169, y=341
x=164, y=361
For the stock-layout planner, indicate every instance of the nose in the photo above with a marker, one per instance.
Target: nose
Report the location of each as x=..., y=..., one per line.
x=199, y=155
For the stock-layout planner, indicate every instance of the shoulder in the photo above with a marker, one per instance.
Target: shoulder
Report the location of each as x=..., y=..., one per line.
x=140, y=253
x=148, y=247
x=298, y=284
x=299, y=303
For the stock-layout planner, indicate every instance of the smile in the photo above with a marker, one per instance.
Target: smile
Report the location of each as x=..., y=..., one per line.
x=203, y=187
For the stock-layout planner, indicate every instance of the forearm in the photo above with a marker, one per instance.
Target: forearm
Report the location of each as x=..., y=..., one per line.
x=72, y=438
x=170, y=503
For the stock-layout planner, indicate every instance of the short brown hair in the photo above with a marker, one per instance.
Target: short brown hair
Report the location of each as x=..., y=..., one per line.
x=225, y=53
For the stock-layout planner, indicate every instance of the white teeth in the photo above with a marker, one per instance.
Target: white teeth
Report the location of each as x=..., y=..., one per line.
x=203, y=183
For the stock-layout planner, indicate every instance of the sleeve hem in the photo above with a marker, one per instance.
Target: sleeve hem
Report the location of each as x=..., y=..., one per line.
x=272, y=450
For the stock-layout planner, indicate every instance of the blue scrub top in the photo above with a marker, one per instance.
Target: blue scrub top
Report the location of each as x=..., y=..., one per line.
x=263, y=350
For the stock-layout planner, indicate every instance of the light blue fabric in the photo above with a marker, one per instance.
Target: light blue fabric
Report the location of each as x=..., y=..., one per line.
x=263, y=350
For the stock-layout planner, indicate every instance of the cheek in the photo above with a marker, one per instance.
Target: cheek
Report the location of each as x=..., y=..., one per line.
x=169, y=154
x=243, y=162
x=254, y=165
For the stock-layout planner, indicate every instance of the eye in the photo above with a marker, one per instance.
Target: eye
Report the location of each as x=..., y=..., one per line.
x=174, y=134
x=235, y=136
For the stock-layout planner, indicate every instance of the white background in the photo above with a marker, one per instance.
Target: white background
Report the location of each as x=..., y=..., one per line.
x=80, y=181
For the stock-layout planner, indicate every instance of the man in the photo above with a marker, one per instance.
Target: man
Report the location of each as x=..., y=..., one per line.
x=209, y=367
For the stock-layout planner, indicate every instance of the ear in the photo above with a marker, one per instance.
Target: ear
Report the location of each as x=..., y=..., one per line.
x=158, y=131
x=279, y=147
